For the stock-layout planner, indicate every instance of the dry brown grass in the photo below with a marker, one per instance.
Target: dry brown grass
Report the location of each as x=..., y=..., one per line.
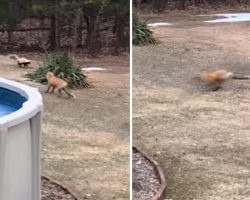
x=201, y=138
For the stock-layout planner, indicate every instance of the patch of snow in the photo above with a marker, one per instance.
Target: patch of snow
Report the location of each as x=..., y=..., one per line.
x=88, y=69
x=230, y=17
x=159, y=24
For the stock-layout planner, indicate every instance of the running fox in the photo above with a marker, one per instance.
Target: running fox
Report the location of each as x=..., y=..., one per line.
x=58, y=84
x=217, y=78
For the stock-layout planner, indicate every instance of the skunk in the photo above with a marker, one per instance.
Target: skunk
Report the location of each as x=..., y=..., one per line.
x=21, y=62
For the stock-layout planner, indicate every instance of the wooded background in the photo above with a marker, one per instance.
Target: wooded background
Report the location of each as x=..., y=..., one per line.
x=90, y=26
x=160, y=5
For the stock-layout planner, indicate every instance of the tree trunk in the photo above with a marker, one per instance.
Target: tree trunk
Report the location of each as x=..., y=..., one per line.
x=122, y=40
x=137, y=3
x=78, y=30
x=10, y=36
x=52, y=37
x=57, y=33
x=184, y=4
x=55, y=30
x=92, y=34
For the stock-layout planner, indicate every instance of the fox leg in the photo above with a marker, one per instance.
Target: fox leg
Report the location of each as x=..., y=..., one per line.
x=68, y=93
x=216, y=88
x=48, y=89
x=217, y=85
x=59, y=92
x=53, y=89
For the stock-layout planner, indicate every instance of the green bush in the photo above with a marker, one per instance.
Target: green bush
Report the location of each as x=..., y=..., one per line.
x=63, y=67
x=142, y=35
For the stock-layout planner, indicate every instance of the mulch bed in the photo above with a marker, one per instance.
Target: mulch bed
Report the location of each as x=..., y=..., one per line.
x=54, y=191
x=146, y=183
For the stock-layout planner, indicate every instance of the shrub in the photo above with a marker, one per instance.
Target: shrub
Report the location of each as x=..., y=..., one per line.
x=61, y=64
x=142, y=35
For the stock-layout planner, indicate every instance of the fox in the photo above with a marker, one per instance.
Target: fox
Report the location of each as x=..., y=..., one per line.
x=217, y=78
x=21, y=61
x=58, y=84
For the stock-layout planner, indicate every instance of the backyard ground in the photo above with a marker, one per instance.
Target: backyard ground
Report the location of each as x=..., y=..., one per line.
x=200, y=138
x=86, y=140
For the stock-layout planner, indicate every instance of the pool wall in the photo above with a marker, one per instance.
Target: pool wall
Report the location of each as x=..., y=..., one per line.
x=20, y=145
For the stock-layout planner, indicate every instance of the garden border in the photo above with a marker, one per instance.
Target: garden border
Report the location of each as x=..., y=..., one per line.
x=59, y=184
x=160, y=194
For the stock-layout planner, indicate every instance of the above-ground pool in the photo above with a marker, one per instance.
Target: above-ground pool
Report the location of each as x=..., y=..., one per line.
x=10, y=101
x=20, y=124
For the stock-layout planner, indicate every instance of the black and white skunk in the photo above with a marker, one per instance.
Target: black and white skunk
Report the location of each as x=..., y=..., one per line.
x=22, y=62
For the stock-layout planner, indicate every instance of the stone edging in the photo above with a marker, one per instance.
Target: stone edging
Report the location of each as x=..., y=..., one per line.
x=160, y=194
x=59, y=184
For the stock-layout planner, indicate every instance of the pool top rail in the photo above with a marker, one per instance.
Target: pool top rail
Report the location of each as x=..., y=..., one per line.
x=31, y=105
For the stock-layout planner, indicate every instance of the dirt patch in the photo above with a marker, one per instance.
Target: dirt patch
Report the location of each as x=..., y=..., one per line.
x=201, y=138
x=86, y=140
